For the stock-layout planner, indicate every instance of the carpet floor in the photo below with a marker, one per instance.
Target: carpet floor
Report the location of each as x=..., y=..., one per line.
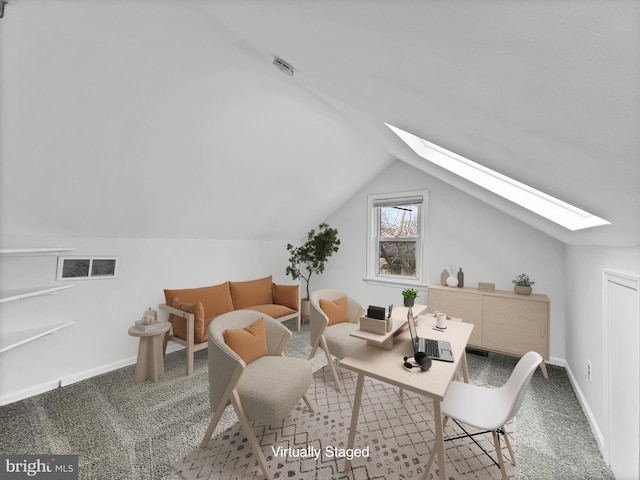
x=125, y=431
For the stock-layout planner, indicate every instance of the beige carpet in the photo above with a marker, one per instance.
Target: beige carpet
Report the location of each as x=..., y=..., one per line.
x=398, y=435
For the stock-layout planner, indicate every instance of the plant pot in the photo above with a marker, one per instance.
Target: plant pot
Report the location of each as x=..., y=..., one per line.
x=522, y=289
x=305, y=308
x=409, y=302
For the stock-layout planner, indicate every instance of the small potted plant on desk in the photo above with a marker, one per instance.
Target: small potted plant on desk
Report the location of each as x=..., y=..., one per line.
x=522, y=284
x=409, y=295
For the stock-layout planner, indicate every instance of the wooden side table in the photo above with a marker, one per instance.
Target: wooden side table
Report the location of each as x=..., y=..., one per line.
x=150, y=365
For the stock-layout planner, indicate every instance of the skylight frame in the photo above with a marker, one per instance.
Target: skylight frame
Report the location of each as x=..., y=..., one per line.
x=540, y=203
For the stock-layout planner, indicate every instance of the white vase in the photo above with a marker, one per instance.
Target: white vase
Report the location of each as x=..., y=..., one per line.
x=452, y=281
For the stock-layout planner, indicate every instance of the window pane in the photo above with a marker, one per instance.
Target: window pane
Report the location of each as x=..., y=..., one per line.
x=73, y=268
x=103, y=268
x=399, y=221
x=397, y=258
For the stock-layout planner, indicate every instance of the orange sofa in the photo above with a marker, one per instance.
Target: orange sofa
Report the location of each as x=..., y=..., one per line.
x=192, y=309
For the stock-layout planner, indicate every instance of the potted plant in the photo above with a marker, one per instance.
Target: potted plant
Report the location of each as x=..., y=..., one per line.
x=409, y=295
x=310, y=257
x=523, y=284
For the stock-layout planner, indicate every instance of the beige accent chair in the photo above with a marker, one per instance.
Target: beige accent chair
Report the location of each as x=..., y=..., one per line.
x=264, y=391
x=335, y=339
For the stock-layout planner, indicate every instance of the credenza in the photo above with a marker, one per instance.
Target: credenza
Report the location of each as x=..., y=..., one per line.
x=503, y=321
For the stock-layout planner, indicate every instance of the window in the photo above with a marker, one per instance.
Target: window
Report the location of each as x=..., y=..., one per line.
x=551, y=208
x=396, y=237
x=78, y=268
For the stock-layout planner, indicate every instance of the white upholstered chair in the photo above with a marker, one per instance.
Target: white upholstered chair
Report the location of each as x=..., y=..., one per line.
x=489, y=409
x=263, y=391
x=334, y=339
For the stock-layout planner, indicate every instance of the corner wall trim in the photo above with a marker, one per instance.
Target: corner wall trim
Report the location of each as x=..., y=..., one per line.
x=595, y=428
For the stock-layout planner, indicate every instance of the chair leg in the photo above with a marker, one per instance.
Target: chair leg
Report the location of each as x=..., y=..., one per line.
x=310, y=405
x=248, y=430
x=506, y=440
x=496, y=442
x=217, y=415
x=314, y=349
x=330, y=362
x=189, y=353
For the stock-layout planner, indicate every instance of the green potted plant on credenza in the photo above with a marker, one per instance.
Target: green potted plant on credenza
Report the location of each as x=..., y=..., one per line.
x=522, y=284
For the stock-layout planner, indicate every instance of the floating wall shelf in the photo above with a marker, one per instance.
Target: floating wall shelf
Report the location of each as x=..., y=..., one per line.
x=9, y=296
x=9, y=340
x=33, y=251
x=14, y=339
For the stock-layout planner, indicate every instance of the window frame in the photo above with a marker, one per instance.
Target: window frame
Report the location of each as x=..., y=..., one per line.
x=373, y=228
x=90, y=274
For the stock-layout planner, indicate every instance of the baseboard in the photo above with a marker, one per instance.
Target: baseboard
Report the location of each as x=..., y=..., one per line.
x=587, y=410
x=78, y=377
x=94, y=372
x=558, y=362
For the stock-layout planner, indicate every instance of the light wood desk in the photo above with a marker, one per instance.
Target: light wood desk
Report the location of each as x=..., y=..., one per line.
x=387, y=366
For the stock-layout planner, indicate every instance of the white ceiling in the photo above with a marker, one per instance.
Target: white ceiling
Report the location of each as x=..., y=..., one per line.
x=175, y=113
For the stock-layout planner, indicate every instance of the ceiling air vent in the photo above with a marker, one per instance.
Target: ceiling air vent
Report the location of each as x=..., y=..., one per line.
x=282, y=66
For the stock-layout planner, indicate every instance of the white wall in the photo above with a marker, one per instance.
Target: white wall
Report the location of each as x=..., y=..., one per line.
x=489, y=246
x=584, y=322
x=102, y=310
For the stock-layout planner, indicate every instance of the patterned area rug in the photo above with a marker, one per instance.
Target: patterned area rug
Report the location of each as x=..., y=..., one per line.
x=397, y=434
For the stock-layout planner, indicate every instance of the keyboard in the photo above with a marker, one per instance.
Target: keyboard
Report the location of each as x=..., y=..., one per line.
x=432, y=348
x=428, y=346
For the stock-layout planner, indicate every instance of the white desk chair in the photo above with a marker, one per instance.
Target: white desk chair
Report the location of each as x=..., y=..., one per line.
x=335, y=339
x=488, y=409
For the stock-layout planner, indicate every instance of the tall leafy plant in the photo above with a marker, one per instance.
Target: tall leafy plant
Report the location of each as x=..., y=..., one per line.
x=310, y=257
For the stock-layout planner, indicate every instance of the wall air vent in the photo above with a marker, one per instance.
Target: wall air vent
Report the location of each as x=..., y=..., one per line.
x=283, y=66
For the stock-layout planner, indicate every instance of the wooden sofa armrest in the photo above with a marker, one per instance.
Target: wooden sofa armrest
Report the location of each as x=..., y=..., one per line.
x=176, y=311
x=188, y=316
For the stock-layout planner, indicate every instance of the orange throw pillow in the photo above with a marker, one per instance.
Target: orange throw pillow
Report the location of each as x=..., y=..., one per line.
x=215, y=299
x=286, y=295
x=336, y=310
x=250, y=343
x=199, y=324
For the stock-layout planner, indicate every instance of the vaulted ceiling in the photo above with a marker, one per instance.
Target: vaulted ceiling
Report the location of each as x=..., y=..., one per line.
x=157, y=118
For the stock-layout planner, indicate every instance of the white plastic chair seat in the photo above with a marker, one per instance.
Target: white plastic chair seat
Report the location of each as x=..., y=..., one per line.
x=271, y=386
x=339, y=340
x=479, y=407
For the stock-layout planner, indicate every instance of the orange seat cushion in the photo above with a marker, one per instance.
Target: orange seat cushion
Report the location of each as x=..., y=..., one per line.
x=250, y=343
x=199, y=325
x=253, y=292
x=215, y=299
x=335, y=310
x=274, y=311
x=287, y=295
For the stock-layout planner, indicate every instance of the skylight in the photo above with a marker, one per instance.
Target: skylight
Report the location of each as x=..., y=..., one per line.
x=538, y=202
